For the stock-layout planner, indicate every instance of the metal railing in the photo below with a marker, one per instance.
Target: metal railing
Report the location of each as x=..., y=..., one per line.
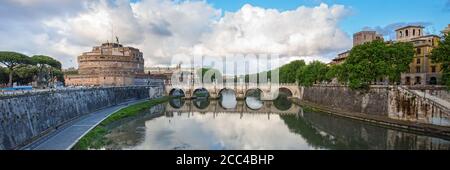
x=428, y=100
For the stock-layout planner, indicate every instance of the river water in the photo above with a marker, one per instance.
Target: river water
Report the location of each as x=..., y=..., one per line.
x=253, y=124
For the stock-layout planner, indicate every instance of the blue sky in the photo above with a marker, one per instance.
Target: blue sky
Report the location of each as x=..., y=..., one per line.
x=364, y=13
x=163, y=28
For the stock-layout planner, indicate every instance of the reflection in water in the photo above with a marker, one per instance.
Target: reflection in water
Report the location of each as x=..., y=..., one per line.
x=266, y=128
x=177, y=92
x=201, y=102
x=282, y=102
x=228, y=99
x=253, y=99
x=176, y=103
x=202, y=92
x=253, y=103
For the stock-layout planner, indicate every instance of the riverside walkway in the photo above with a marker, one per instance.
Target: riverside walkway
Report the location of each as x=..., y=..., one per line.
x=64, y=138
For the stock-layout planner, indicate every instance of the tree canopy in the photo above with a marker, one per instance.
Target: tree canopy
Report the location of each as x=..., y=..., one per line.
x=365, y=64
x=315, y=72
x=374, y=60
x=288, y=72
x=23, y=69
x=3, y=75
x=441, y=54
x=42, y=60
x=12, y=60
x=208, y=74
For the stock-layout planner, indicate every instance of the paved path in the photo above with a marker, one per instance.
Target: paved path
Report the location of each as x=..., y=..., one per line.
x=68, y=135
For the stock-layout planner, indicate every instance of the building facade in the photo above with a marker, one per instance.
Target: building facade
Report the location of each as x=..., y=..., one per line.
x=362, y=37
x=181, y=74
x=110, y=64
x=341, y=58
x=359, y=38
x=422, y=71
x=406, y=34
x=446, y=30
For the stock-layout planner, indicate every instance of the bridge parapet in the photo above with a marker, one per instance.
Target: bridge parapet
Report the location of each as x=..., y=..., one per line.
x=269, y=91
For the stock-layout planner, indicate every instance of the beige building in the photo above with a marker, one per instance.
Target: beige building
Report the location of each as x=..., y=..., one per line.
x=341, y=58
x=110, y=64
x=422, y=70
x=446, y=30
x=359, y=38
x=406, y=34
x=365, y=36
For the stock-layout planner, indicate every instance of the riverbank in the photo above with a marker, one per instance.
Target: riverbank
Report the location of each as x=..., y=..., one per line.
x=96, y=137
x=378, y=120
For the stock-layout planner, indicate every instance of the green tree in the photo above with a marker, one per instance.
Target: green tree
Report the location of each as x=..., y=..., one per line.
x=3, y=75
x=315, y=72
x=45, y=61
x=441, y=54
x=375, y=60
x=208, y=74
x=25, y=74
x=12, y=60
x=365, y=64
x=288, y=72
x=399, y=56
x=335, y=71
x=47, y=66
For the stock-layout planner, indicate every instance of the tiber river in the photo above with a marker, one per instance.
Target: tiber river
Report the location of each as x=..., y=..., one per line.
x=254, y=124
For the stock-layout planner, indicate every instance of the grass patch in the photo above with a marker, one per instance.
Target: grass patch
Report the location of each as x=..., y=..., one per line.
x=96, y=139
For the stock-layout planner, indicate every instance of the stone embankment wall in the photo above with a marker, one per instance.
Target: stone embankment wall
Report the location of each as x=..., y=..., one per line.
x=373, y=101
x=23, y=118
x=390, y=101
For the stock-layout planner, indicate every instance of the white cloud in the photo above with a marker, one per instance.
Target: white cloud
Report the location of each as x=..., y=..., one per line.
x=163, y=28
x=304, y=31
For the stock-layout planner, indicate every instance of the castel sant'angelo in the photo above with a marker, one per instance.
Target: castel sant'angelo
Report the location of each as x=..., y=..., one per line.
x=110, y=64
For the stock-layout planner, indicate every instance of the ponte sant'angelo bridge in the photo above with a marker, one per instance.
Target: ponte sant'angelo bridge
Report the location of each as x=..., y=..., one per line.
x=268, y=91
x=214, y=106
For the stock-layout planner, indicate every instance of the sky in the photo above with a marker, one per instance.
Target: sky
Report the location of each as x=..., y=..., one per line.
x=365, y=13
x=161, y=29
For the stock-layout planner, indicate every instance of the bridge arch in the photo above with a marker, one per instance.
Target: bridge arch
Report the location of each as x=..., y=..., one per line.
x=176, y=103
x=282, y=101
x=200, y=92
x=253, y=90
x=253, y=99
x=177, y=92
x=230, y=102
x=201, y=104
x=226, y=89
x=285, y=90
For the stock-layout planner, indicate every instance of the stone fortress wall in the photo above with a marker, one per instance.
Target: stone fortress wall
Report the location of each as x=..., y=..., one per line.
x=110, y=64
x=26, y=117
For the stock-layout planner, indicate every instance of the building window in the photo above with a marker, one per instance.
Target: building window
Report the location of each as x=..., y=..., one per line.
x=433, y=81
x=414, y=32
x=418, y=51
x=419, y=32
x=401, y=34
x=406, y=33
x=418, y=69
x=433, y=69
x=418, y=80
x=418, y=61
